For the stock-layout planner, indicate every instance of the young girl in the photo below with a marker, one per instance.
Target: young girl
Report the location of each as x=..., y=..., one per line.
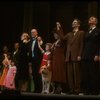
x=45, y=69
x=5, y=70
x=9, y=79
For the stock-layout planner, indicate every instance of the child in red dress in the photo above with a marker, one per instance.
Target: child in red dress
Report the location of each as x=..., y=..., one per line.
x=45, y=69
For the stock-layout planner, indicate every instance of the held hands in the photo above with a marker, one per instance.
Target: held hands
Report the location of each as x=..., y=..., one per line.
x=78, y=58
x=96, y=58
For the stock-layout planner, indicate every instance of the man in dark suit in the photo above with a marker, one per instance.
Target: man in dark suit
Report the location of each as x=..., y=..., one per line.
x=35, y=59
x=74, y=47
x=90, y=59
x=16, y=59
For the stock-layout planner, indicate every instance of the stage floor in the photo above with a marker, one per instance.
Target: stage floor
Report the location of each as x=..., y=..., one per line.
x=28, y=95
x=59, y=95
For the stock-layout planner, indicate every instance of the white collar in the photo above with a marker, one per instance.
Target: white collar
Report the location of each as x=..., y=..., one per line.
x=93, y=27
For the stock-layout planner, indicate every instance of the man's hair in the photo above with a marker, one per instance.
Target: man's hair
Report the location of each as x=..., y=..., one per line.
x=94, y=18
x=79, y=22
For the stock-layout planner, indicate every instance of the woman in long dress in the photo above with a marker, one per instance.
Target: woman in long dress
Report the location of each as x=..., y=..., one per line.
x=58, y=64
x=23, y=62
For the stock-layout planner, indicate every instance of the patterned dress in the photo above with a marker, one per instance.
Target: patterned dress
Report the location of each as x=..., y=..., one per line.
x=44, y=62
x=9, y=80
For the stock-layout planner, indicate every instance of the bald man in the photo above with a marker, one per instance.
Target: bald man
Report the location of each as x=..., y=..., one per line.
x=35, y=60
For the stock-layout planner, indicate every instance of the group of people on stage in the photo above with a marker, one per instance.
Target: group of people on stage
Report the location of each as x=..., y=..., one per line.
x=71, y=64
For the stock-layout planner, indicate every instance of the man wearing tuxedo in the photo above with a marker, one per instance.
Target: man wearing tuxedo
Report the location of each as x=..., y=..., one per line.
x=35, y=59
x=90, y=59
x=16, y=59
x=74, y=48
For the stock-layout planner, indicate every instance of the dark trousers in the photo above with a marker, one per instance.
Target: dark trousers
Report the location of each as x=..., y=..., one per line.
x=36, y=76
x=90, y=76
x=17, y=81
x=73, y=73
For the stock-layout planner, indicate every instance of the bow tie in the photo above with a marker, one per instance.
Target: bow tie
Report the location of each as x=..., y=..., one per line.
x=33, y=39
x=90, y=29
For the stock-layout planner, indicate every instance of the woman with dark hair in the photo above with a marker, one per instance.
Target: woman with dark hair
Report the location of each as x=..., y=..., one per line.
x=58, y=63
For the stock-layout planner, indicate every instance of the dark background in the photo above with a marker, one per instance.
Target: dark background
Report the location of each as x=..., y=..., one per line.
x=19, y=17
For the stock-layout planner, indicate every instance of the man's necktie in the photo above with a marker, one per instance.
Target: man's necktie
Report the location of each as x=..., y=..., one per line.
x=33, y=44
x=90, y=30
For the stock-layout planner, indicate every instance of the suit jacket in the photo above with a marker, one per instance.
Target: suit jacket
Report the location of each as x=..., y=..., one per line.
x=37, y=51
x=74, y=44
x=92, y=45
x=16, y=58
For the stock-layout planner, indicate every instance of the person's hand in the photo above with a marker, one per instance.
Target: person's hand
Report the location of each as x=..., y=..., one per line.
x=79, y=58
x=5, y=55
x=96, y=58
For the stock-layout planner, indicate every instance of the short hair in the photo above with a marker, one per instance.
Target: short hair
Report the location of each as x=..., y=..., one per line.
x=94, y=18
x=79, y=22
x=49, y=44
x=34, y=29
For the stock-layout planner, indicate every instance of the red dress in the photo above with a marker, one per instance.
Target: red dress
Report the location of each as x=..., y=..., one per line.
x=44, y=62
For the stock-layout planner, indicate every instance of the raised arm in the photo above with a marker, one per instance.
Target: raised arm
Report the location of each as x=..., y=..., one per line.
x=5, y=61
x=60, y=31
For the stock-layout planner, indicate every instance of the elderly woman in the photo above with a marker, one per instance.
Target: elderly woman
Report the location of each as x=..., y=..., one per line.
x=23, y=62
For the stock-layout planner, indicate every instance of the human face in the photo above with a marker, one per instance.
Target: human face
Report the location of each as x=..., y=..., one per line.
x=12, y=63
x=5, y=48
x=47, y=48
x=34, y=33
x=24, y=36
x=75, y=24
x=92, y=21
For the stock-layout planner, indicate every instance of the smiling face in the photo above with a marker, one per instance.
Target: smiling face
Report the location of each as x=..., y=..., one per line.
x=48, y=46
x=25, y=36
x=34, y=33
